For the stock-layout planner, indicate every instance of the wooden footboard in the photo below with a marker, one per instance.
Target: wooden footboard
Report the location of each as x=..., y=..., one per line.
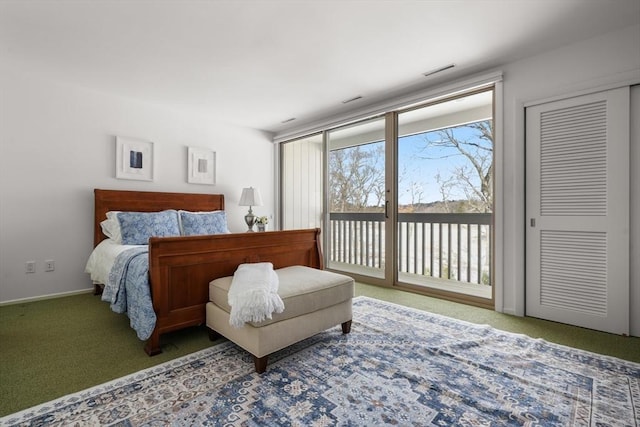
x=181, y=268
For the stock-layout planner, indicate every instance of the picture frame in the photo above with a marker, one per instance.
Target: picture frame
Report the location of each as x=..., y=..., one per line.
x=134, y=159
x=201, y=166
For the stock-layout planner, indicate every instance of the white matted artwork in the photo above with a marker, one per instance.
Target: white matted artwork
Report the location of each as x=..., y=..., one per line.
x=134, y=159
x=201, y=166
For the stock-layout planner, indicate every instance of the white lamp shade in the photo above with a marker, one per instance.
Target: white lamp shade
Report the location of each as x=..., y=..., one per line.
x=250, y=197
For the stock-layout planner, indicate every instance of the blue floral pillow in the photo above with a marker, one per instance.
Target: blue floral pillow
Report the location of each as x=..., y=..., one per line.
x=137, y=227
x=201, y=223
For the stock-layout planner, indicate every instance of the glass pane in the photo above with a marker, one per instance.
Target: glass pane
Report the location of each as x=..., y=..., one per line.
x=445, y=194
x=357, y=198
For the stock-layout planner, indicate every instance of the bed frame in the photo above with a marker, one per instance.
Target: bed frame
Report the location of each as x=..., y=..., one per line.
x=180, y=268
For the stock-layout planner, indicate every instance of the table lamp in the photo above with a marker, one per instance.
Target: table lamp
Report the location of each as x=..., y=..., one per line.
x=250, y=197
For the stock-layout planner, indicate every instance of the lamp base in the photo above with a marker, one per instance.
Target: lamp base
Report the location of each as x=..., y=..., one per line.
x=250, y=219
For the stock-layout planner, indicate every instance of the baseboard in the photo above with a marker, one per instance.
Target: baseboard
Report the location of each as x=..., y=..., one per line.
x=45, y=297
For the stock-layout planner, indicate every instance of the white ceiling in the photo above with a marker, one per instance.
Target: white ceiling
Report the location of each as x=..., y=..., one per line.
x=258, y=63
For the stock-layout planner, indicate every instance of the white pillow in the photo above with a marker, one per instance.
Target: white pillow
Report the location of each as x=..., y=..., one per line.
x=111, y=227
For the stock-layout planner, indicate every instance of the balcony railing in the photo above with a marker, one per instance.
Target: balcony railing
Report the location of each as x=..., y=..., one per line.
x=439, y=245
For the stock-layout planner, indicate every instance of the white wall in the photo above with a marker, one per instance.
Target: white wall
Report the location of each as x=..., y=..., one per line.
x=583, y=66
x=57, y=143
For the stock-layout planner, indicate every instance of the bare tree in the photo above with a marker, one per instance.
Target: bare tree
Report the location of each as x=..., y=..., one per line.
x=356, y=178
x=357, y=182
x=413, y=189
x=477, y=150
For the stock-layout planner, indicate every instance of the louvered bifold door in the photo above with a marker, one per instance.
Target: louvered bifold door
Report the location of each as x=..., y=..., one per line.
x=577, y=205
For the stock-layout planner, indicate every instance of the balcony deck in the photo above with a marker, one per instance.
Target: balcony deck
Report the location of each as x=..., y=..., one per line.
x=441, y=250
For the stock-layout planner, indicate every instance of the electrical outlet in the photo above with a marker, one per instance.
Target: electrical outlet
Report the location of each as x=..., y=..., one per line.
x=30, y=267
x=49, y=265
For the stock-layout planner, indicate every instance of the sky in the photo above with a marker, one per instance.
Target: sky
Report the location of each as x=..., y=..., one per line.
x=419, y=165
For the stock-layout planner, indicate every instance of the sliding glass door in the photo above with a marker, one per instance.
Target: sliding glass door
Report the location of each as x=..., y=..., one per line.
x=445, y=195
x=408, y=197
x=356, y=198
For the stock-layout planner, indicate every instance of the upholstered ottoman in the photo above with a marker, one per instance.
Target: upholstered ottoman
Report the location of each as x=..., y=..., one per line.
x=314, y=300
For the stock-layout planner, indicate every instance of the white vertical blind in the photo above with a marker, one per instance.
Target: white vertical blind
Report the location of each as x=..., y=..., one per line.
x=302, y=177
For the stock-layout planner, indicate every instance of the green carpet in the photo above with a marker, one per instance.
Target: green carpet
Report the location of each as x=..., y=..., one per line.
x=55, y=347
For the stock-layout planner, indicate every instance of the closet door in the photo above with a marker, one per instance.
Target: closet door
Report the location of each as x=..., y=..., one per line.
x=577, y=205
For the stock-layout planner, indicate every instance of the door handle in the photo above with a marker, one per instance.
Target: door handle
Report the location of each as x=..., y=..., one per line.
x=386, y=209
x=533, y=222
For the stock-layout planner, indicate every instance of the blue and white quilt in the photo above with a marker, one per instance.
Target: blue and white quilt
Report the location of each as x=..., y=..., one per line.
x=128, y=290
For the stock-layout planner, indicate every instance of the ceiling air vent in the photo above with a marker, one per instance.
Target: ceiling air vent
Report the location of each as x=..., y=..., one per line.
x=438, y=70
x=355, y=98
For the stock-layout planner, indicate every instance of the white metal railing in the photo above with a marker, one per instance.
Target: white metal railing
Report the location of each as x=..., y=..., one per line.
x=442, y=245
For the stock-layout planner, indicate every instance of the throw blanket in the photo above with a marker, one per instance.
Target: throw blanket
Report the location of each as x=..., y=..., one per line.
x=253, y=294
x=128, y=290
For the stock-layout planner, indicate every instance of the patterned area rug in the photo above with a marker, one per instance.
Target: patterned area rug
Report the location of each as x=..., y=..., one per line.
x=398, y=366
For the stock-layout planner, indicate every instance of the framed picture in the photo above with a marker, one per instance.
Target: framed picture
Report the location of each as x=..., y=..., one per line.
x=201, y=166
x=134, y=159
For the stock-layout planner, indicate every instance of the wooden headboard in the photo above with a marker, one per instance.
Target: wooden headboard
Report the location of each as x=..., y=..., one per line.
x=148, y=201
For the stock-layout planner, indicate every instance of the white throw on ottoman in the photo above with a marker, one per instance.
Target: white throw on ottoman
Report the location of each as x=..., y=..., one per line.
x=314, y=300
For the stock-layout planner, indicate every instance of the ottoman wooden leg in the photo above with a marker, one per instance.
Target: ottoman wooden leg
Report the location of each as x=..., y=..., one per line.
x=346, y=327
x=260, y=363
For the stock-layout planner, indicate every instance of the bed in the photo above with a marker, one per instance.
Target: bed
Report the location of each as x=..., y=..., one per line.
x=181, y=268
